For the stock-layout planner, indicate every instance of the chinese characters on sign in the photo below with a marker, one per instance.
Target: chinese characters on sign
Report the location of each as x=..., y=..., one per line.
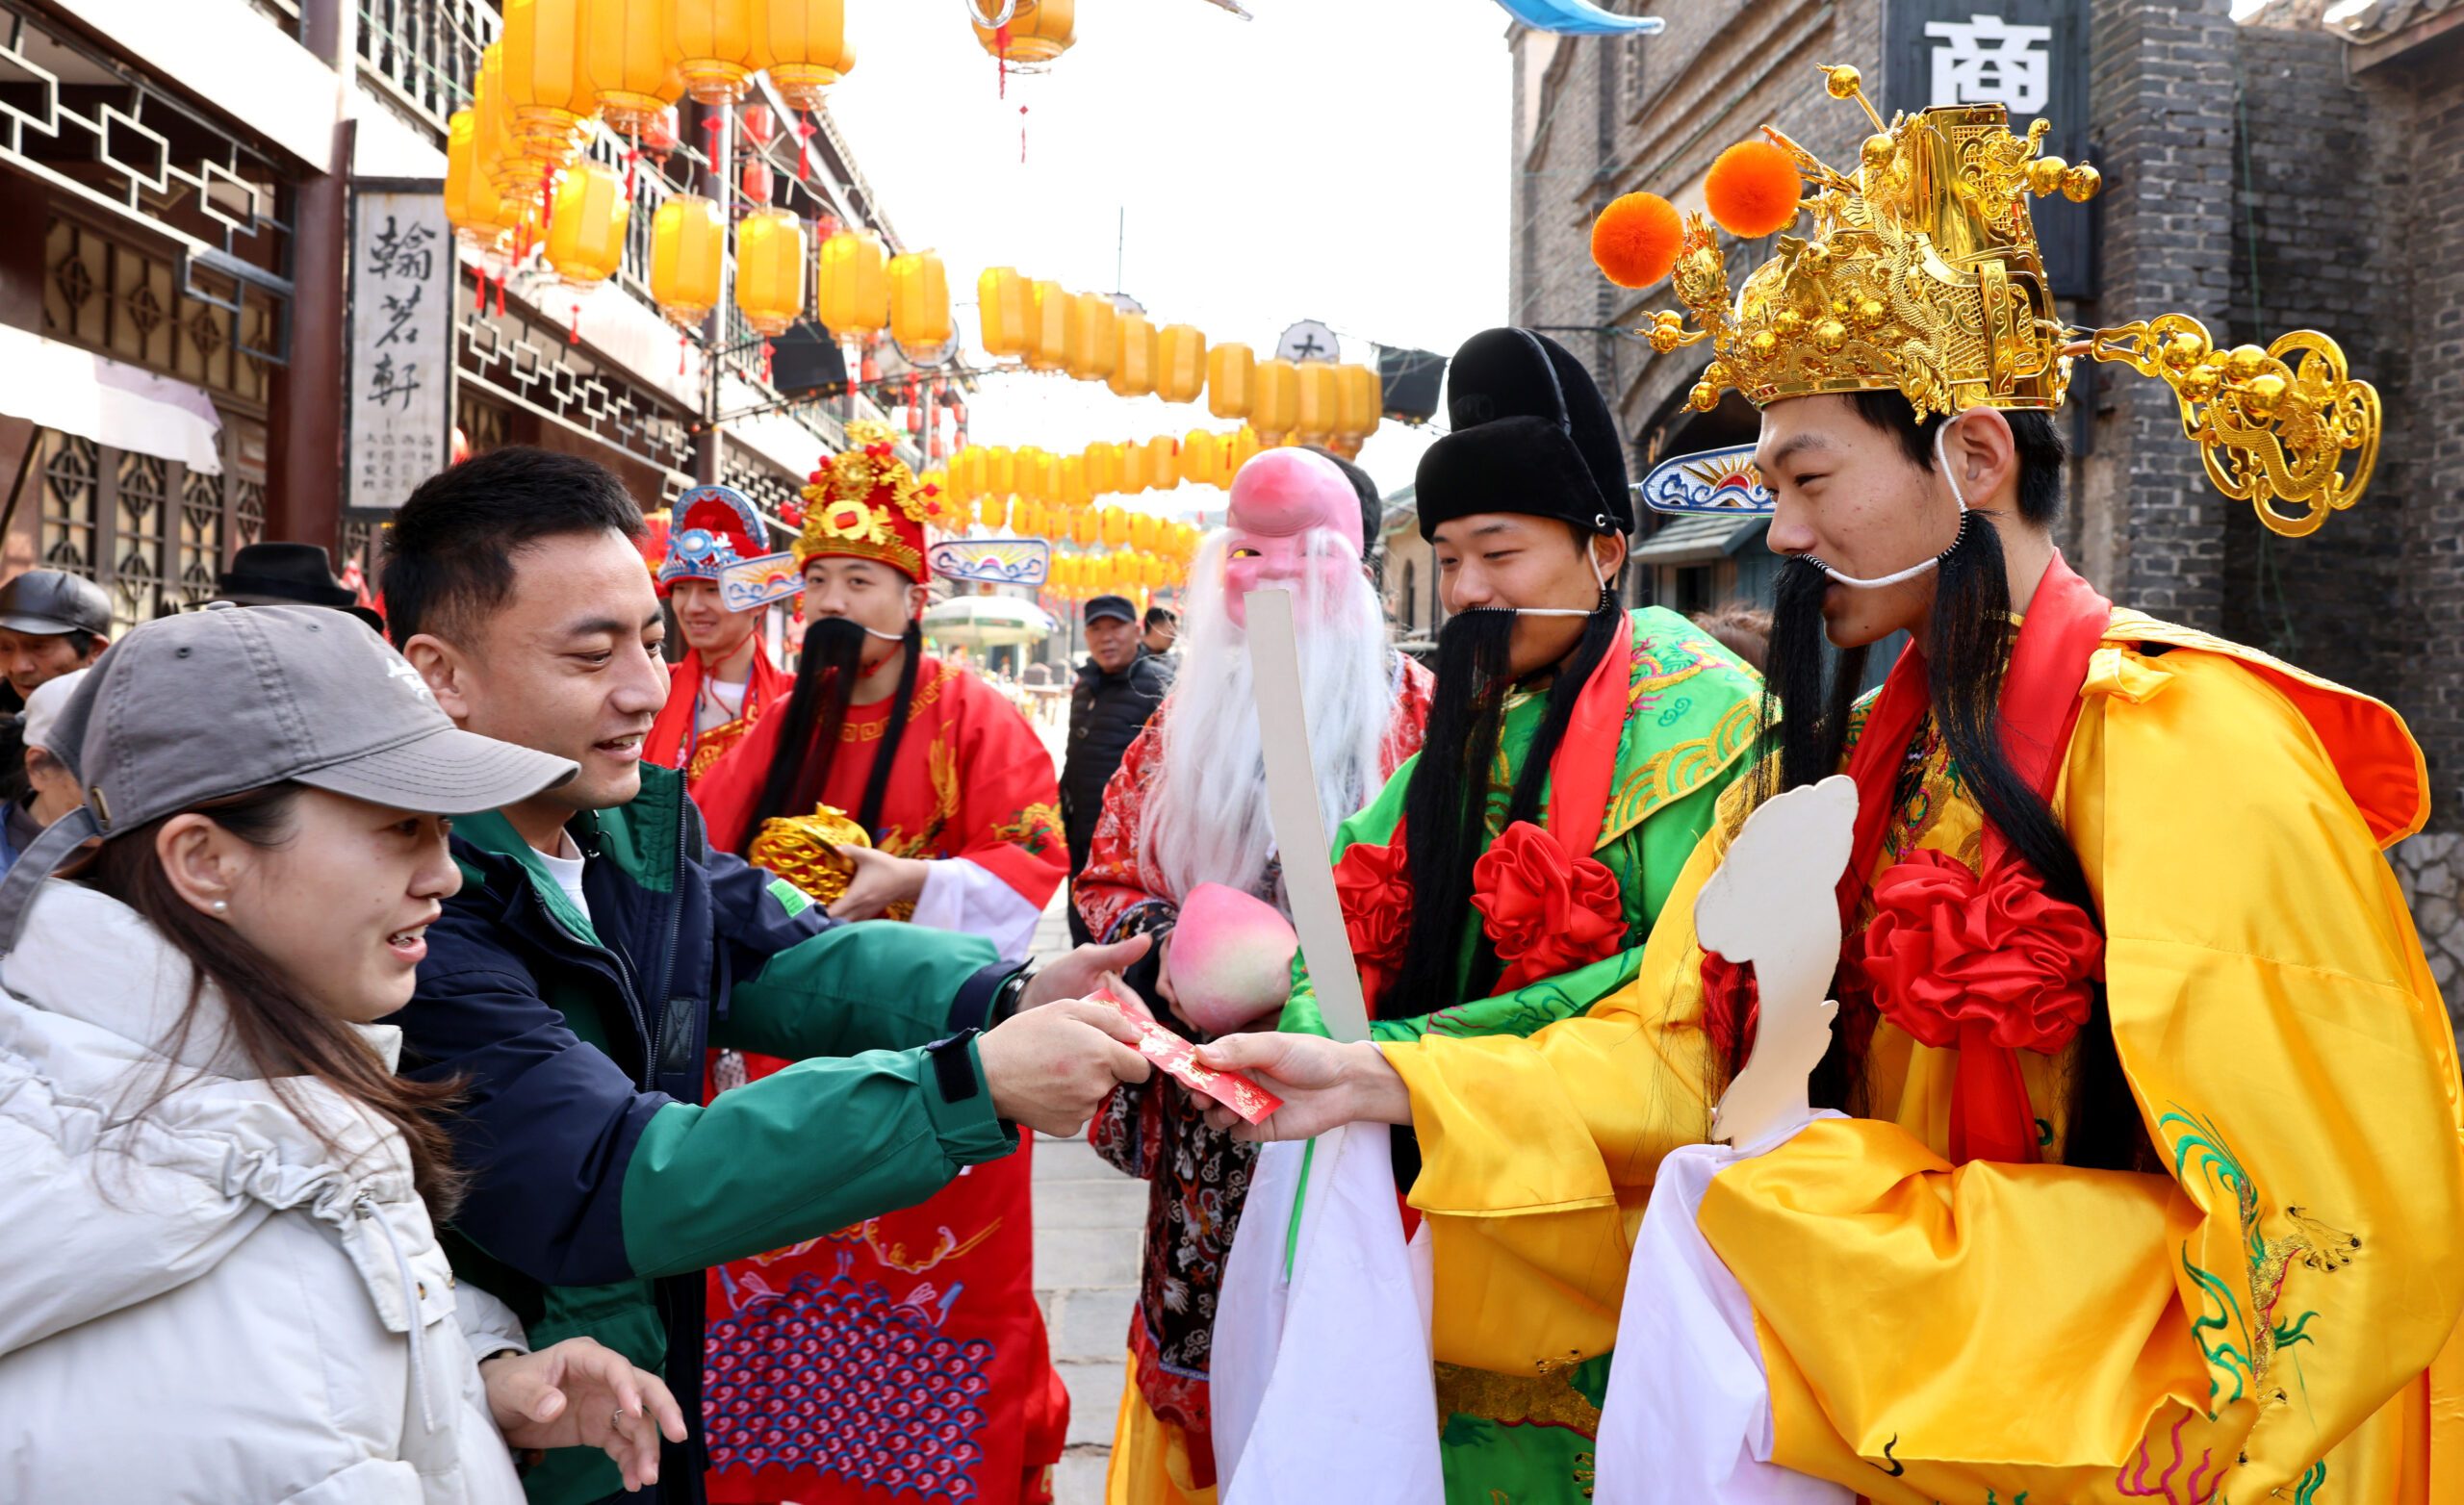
x=1986, y=61
x=401, y=352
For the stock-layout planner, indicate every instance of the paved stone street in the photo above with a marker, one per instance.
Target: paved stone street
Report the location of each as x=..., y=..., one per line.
x=1087, y=1222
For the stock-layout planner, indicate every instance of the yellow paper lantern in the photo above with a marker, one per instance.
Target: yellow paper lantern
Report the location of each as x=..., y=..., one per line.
x=688, y=241
x=805, y=48
x=586, y=233
x=1082, y=526
x=1006, y=303
x=1070, y=481
x=1051, y=327
x=1162, y=462
x=1134, y=349
x=1321, y=402
x=1231, y=380
x=966, y=473
x=1201, y=459
x=851, y=284
x=1033, y=472
x=1239, y=450
x=920, y=300
x=1363, y=400
x=1135, y=477
x=1103, y=468
x=551, y=97
x=1094, y=344
x=1142, y=530
x=1026, y=517
x=1038, y=31
x=1275, y=408
x=995, y=511
x=472, y=207
x=1115, y=527
x=770, y=269
x=717, y=48
x=1000, y=469
x=1180, y=363
x=516, y=178
x=627, y=53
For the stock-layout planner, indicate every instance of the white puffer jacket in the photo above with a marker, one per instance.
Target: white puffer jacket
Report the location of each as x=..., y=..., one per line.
x=200, y=1302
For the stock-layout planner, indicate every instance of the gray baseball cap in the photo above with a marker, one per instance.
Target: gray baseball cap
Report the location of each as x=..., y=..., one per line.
x=219, y=702
x=52, y=603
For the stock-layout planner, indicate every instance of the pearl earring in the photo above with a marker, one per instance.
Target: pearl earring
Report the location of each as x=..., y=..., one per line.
x=221, y=906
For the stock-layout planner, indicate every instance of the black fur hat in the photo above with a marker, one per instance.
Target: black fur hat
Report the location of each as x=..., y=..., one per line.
x=1530, y=434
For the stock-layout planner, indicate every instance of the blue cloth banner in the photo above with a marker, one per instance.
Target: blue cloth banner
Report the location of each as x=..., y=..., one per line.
x=1578, y=19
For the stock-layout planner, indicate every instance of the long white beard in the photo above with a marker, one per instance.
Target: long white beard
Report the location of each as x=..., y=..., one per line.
x=1206, y=815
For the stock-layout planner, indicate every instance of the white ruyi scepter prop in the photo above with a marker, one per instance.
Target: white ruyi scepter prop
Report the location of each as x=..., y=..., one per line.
x=1688, y=1416
x=1321, y=1387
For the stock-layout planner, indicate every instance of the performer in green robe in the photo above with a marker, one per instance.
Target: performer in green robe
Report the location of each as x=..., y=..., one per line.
x=1508, y=875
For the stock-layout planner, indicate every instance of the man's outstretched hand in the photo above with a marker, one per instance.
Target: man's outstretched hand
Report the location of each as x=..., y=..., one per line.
x=579, y=1393
x=1323, y=1085
x=1082, y=974
x=1050, y=1068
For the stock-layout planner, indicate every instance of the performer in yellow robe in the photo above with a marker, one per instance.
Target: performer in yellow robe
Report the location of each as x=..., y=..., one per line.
x=2153, y=1183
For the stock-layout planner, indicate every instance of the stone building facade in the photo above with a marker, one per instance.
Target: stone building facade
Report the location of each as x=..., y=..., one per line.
x=2261, y=174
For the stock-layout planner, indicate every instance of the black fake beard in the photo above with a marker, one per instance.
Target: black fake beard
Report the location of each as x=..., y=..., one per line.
x=816, y=712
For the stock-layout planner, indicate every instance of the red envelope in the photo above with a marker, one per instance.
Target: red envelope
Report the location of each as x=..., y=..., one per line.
x=1178, y=1056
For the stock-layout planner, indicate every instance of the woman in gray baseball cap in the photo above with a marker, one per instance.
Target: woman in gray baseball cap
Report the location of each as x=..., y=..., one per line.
x=216, y=1217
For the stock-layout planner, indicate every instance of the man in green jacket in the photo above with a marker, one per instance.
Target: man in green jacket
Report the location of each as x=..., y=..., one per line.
x=598, y=947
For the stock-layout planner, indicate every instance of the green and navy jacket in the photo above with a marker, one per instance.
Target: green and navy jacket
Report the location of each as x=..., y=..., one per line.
x=602, y=1185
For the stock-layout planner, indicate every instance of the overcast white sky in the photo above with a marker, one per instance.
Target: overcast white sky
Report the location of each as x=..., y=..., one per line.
x=1338, y=160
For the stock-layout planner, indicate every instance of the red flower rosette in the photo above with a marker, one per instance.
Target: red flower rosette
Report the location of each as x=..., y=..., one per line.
x=1374, y=885
x=1548, y=910
x=1950, y=952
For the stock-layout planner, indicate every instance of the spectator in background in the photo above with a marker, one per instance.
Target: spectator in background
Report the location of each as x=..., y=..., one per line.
x=51, y=621
x=1119, y=687
x=1163, y=630
x=288, y=574
x=51, y=789
x=1741, y=628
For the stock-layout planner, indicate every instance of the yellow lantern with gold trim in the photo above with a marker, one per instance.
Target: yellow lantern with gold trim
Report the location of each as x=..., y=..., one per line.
x=1001, y=470
x=1231, y=380
x=627, y=53
x=1180, y=363
x=586, y=233
x=1082, y=527
x=688, y=241
x=770, y=269
x=1133, y=348
x=1201, y=461
x=805, y=48
x=1094, y=344
x=1051, y=327
x=1362, y=400
x=992, y=509
x=1115, y=527
x=1035, y=31
x=1274, y=410
x=1162, y=462
x=1033, y=474
x=472, y=207
x=718, y=46
x=920, y=300
x=1134, y=474
x=1142, y=529
x=851, y=284
x=1103, y=468
x=1321, y=402
x=1070, y=481
x=550, y=97
x=1006, y=303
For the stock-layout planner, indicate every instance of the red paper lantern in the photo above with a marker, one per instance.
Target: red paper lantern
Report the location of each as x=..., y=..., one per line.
x=759, y=126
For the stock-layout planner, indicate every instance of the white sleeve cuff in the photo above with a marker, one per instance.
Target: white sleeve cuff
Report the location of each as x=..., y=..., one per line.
x=960, y=896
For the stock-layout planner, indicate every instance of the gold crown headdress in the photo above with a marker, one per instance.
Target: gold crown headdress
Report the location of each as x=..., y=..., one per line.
x=866, y=503
x=1922, y=276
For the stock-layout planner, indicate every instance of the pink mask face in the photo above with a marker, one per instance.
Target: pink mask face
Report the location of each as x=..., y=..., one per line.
x=1280, y=499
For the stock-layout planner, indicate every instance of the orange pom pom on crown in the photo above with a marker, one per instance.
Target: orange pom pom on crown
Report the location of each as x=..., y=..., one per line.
x=1753, y=189
x=1634, y=239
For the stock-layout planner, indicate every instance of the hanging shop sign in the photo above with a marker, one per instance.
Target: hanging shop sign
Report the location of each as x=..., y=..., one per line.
x=400, y=317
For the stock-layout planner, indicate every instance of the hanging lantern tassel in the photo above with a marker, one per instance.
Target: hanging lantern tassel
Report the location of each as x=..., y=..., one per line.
x=632, y=155
x=479, y=275
x=500, y=281
x=573, y=324
x=1001, y=55
x=767, y=349
x=1022, y=134
x=804, y=129
x=683, y=348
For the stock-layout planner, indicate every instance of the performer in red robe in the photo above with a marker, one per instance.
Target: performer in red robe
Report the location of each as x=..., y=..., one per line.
x=1187, y=806
x=726, y=680
x=819, y=1353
